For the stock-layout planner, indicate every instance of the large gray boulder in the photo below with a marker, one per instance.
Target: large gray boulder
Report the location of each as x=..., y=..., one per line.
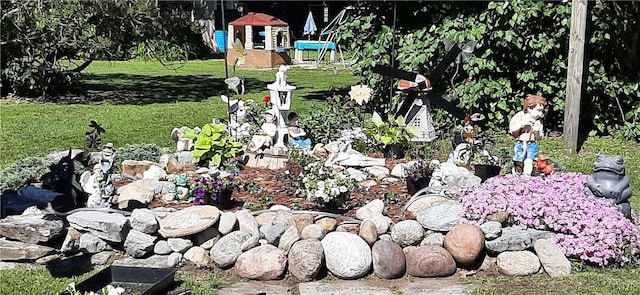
x=516, y=239
x=407, y=233
x=144, y=220
x=347, y=255
x=227, y=250
x=518, y=263
x=139, y=244
x=15, y=251
x=31, y=228
x=440, y=216
x=91, y=244
x=553, y=261
x=107, y=226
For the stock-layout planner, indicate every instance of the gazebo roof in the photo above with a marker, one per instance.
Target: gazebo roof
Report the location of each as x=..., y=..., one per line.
x=258, y=19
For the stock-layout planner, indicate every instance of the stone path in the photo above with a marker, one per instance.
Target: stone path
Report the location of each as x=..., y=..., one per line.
x=358, y=287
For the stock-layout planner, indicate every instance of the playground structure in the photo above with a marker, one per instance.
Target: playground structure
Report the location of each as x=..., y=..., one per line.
x=331, y=32
x=250, y=30
x=326, y=43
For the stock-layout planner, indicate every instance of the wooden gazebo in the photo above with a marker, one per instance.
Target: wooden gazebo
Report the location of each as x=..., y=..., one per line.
x=265, y=39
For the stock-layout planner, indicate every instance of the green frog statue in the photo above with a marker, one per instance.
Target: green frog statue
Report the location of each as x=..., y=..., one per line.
x=609, y=181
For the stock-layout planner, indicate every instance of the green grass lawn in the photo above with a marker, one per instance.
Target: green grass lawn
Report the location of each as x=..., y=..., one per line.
x=38, y=280
x=141, y=102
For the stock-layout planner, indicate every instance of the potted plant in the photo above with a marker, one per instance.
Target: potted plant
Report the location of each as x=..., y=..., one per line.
x=391, y=136
x=484, y=165
x=471, y=151
x=213, y=143
x=418, y=175
x=214, y=190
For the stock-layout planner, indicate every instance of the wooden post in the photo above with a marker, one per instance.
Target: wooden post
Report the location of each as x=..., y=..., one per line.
x=574, y=75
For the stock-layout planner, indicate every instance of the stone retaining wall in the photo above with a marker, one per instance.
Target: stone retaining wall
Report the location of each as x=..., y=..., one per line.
x=267, y=245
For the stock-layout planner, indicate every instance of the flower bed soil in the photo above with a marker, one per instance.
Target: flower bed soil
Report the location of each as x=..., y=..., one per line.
x=279, y=186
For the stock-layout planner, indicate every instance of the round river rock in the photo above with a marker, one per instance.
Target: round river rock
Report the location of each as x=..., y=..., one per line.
x=188, y=221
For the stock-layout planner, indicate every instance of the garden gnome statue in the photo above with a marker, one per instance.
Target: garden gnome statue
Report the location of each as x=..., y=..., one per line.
x=267, y=134
x=281, y=102
x=296, y=134
x=610, y=181
x=526, y=127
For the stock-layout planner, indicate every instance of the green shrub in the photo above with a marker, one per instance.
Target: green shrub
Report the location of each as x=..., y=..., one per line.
x=325, y=122
x=23, y=172
x=140, y=152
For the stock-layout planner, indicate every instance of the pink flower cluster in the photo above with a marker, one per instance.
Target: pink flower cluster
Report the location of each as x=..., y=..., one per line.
x=589, y=228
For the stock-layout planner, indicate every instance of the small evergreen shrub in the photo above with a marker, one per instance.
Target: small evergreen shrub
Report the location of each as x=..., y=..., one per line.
x=590, y=229
x=23, y=172
x=140, y=152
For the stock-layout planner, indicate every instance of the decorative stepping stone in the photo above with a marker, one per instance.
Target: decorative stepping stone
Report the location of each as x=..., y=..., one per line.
x=188, y=221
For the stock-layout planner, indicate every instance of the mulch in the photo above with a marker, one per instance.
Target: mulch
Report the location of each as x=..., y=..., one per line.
x=281, y=189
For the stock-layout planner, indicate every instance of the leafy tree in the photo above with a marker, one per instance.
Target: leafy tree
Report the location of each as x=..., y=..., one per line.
x=47, y=43
x=521, y=47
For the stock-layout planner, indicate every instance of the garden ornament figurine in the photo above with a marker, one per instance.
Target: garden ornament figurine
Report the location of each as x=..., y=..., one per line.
x=181, y=188
x=102, y=176
x=280, y=93
x=609, y=181
x=542, y=164
x=183, y=143
x=90, y=181
x=108, y=156
x=526, y=127
x=297, y=134
x=268, y=132
x=238, y=127
x=281, y=77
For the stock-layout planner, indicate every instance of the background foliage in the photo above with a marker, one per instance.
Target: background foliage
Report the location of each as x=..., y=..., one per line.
x=37, y=36
x=521, y=47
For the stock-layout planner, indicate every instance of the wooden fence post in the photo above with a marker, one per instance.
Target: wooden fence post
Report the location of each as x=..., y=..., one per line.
x=574, y=75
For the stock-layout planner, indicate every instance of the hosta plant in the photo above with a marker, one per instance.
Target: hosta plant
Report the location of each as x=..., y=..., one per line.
x=213, y=143
x=590, y=229
x=395, y=131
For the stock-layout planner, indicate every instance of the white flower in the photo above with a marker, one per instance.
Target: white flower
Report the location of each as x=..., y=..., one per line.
x=343, y=189
x=360, y=93
x=111, y=290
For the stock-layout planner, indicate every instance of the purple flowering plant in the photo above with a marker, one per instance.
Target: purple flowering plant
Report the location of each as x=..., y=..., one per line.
x=419, y=170
x=208, y=190
x=588, y=228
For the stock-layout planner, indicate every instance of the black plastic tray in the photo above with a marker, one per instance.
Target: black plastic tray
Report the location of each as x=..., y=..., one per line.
x=134, y=280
